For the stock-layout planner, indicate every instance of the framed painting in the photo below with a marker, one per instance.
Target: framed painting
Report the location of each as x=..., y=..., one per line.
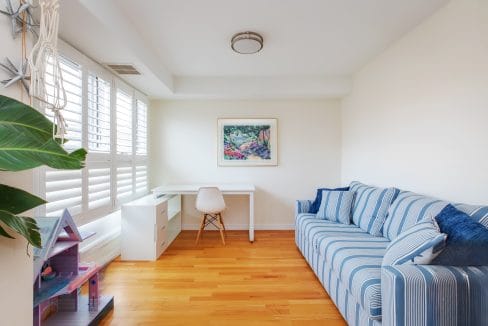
x=247, y=142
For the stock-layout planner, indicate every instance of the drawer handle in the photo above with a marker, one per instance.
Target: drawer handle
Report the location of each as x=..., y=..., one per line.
x=163, y=211
x=163, y=227
x=163, y=243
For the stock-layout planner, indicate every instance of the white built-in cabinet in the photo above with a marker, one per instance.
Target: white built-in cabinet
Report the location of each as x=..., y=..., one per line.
x=149, y=225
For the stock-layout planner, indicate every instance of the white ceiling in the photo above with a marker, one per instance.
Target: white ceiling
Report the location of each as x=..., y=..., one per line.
x=311, y=47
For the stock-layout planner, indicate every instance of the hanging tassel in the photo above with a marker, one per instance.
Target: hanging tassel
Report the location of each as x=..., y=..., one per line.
x=43, y=51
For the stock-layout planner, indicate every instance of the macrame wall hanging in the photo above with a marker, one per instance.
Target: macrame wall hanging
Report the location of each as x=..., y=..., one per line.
x=44, y=61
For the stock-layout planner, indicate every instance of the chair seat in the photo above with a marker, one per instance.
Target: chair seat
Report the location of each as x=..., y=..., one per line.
x=210, y=202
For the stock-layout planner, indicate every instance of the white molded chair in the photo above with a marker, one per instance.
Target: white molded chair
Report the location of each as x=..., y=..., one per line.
x=211, y=203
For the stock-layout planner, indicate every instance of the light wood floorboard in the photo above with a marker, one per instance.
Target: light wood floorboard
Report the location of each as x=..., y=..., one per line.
x=264, y=283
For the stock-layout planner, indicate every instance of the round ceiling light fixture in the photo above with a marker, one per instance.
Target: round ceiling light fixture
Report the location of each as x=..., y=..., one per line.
x=246, y=42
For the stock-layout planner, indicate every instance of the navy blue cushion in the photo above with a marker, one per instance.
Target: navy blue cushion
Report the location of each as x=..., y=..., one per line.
x=467, y=240
x=314, y=208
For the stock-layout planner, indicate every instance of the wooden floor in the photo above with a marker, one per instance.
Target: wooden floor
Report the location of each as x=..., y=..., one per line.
x=264, y=283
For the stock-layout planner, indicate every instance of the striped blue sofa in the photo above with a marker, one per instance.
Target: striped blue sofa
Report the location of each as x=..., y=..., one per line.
x=347, y=261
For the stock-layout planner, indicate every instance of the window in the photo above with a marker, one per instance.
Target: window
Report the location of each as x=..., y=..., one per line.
x=109, y=120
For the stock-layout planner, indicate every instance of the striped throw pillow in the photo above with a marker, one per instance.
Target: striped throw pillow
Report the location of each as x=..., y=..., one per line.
x=370, y=206
x=420, y=244
x=336, y=206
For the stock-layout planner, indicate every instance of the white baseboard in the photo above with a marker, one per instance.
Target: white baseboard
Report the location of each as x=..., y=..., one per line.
x=244, y=227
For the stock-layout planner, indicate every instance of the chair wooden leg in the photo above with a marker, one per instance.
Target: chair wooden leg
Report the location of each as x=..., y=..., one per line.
x=221, y=229
x=222, y=221
x=202, y=225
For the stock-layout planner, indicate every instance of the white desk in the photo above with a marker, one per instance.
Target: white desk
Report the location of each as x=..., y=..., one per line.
x=227, y=189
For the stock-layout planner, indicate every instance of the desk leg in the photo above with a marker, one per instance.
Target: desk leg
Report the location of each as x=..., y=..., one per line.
x=251, y=217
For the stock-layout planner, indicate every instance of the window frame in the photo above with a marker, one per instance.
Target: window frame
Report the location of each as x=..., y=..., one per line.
x=99, y=159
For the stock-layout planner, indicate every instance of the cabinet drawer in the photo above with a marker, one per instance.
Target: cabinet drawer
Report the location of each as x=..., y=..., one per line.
x=161, y=215
x=161, y=241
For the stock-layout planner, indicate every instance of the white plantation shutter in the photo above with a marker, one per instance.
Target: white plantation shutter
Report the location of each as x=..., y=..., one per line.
x=98, y=114
x=63, y=188
x=141, y=183
x=124, y=123
x=125, y=146
x=99, y=160
x=109, y=120
x=99, y=185
x=124, y=182
x=141, y=128
x=141, y=178
x=72, y=113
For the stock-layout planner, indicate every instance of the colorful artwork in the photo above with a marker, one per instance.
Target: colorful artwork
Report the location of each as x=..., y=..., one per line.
x=247, y=141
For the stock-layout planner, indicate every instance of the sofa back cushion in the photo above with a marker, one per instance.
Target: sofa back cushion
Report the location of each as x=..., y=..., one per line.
x=407, y=210
x=476, y=212
x=371, y=206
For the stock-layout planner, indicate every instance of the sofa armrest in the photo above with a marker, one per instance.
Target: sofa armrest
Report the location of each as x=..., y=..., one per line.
x=434, y=295
x=302, y=206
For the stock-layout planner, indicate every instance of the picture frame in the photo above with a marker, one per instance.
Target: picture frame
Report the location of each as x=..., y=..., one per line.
x=247, y=142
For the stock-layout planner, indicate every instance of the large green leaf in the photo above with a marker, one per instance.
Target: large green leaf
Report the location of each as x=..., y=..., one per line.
x=19, y=115
x=25, y=226
x=26, y=140
x=16, y=201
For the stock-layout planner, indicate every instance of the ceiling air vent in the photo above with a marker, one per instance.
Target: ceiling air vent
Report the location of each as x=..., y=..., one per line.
x=123, y=69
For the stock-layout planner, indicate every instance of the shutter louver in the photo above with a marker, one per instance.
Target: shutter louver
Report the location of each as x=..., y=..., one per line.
x=98, y=187
x=141, y=179
x=98, y=114
x=124, y=183
x=72, y=113
x=63, y=190
x=124, y=123
x=141, y=125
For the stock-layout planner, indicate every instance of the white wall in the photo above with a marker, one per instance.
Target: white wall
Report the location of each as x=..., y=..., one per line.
x=417, y=116
x=183, y=149
x=16, y=266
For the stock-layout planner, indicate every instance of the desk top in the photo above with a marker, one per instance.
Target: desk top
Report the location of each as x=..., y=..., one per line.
x=193, y=188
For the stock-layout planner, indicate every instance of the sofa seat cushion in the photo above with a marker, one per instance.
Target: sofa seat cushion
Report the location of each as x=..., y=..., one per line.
x=356, y=260
x=313, y=229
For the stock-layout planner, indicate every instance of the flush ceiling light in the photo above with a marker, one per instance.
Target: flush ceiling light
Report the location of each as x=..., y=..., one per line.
x=247, y=42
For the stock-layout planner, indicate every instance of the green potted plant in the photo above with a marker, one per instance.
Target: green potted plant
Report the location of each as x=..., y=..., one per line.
x=27, y=142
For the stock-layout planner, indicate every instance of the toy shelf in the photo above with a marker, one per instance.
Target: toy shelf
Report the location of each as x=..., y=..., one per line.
x=64, y=284
x=86, y=315
x=58, y=275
